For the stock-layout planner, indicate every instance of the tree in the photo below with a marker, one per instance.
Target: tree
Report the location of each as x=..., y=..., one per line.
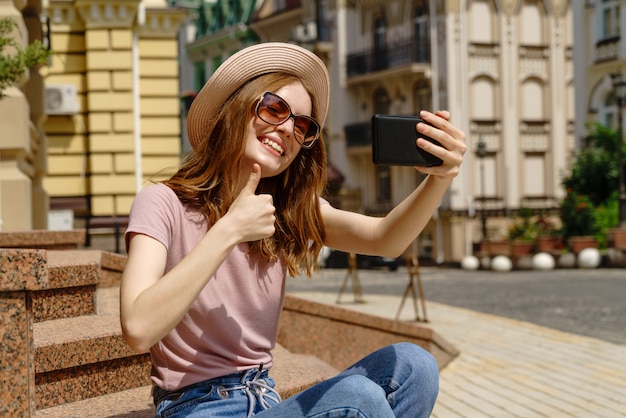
x=590, y=205
x=14, y=65
x=595, y=172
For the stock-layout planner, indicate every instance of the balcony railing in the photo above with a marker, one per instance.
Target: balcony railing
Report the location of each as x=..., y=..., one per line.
x=607, y=49
x=358, y=134
x=392, y=56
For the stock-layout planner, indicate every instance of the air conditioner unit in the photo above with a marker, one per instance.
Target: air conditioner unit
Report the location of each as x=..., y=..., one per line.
x=62, y=99
x=305, y=32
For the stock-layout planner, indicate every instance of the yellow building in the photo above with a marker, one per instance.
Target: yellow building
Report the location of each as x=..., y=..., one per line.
x=112, y=101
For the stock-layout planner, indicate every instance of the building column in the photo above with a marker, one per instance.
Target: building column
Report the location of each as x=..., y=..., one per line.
x=15, y=148
x=35, y=93
x=159, y=96
x=109, y=35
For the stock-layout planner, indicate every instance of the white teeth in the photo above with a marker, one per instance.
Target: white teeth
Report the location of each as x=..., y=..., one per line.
x=274, y=146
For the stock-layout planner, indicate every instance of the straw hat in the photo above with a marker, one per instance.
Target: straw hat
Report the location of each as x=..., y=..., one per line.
x=247, y=64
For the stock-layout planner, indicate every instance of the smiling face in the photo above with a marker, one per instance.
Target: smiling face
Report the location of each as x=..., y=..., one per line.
x=274, y=147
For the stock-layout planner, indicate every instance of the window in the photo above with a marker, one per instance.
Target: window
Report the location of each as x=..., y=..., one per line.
x=609, y=16
x=423, y=97
x=380, y=42
x=422, y=33
x=199, y=75
x=381, y=101
x=383, y=184
x=383, y=173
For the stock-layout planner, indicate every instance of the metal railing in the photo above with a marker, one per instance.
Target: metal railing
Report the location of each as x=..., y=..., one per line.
x=358, y=134
x=392, y=56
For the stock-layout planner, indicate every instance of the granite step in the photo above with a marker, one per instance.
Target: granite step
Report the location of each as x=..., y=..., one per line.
x=77, y=359
x=73, y=276
x=292, y=373
x=131, y=403
x=71, y=292
x=83, y=357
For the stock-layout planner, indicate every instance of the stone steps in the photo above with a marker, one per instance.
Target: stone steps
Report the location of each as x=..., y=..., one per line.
x=63, y=353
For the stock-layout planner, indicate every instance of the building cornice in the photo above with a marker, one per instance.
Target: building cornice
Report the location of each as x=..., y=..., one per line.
x=162, y=23
x=108, y=13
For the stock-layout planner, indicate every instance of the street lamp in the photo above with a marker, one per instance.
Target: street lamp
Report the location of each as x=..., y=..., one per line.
x=481, y=151
x=619, y=90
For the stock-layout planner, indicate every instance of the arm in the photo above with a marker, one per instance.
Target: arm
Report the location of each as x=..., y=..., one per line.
x=153, y=303
x=389, y=236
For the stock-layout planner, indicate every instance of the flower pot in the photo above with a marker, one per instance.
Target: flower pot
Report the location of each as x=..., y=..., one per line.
x=522, y=248
x=499, y=247
x=616, y=237
x=548, y=243
x=577, y=244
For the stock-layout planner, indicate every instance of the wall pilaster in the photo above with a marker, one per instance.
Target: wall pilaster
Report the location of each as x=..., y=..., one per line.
x=16, y=168
x=109, y=100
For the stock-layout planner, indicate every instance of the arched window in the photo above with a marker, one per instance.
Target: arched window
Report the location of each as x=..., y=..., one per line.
x=531, y=23
x=483, y=97
x=532, y=100
x=481, y=29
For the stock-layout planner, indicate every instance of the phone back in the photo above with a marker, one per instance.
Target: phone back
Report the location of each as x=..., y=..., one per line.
x=394, y=142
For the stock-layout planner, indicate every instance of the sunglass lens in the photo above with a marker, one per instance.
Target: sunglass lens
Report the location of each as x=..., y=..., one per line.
x=305, y=129
x=273, y=109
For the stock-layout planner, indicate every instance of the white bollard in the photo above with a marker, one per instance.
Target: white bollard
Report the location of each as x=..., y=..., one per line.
x=470, y=262
x=543, y=261
x=589, y=258
x=501, y=263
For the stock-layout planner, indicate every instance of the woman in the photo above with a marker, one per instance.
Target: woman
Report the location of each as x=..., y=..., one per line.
x=209, y=249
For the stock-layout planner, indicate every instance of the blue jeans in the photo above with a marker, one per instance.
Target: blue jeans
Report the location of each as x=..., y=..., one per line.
x=400, y=380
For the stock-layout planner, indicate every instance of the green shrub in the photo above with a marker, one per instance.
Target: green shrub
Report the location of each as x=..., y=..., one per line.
x=13, y=66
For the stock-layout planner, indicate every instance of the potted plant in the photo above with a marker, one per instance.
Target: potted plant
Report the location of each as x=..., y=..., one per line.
x=579, y=222
x=589, y=208
x=523, y=233
x=549, y=236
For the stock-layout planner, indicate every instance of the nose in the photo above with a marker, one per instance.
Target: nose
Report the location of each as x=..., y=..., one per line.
x=287, y=126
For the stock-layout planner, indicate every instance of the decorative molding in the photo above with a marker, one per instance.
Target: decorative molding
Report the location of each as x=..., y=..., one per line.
x=62, y=13
x=162, y=23
x=534, y=137
x=108, y=13
x=483, y=65
x=509, y=7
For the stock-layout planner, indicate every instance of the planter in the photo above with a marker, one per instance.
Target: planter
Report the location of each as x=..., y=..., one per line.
x=577, y=244
x=548, y=243
x=519, y=248
x=499, y=247
x=616, y=238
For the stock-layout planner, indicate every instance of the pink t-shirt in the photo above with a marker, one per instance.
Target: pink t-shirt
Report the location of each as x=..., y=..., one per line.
x=233, y=324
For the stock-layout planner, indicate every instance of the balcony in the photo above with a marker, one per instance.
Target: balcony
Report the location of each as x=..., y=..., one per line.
x=607, y=49
x=358, y=134
x=392, y=56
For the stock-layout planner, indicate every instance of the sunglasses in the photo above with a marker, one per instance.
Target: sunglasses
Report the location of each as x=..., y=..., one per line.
x=274, y=110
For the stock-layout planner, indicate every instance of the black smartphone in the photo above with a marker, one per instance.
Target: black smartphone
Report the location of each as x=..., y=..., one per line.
x=393, y=142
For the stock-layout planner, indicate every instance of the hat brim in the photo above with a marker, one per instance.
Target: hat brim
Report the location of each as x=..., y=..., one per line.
x=249, y=63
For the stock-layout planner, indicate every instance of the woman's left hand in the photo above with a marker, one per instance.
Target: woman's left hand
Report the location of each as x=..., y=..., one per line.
x=452, y=141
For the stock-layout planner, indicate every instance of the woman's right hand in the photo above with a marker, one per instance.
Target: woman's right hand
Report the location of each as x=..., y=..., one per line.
x=253, y=214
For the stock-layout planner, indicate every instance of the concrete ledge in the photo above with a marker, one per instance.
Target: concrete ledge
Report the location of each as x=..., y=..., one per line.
x=43, y=239
x=132, y=403
x=341, y=337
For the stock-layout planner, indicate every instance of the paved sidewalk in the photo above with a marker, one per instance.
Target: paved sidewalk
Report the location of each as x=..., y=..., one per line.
x=509, y=368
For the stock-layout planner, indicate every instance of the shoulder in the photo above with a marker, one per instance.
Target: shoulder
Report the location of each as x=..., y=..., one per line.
x=156, y=195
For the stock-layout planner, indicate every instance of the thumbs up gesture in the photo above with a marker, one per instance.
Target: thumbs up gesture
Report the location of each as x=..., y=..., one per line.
x=253, y=214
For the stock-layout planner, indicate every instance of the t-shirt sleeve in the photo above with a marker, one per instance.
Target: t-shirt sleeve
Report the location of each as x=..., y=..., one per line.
x=152, y=214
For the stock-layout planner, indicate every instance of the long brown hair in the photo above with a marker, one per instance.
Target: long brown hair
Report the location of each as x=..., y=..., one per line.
x=207, y=180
